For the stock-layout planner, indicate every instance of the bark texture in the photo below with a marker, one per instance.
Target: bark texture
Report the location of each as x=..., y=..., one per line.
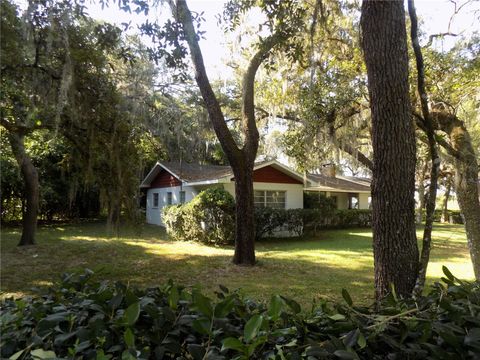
x=30, y=178
x=393, y=137
x=466, y=180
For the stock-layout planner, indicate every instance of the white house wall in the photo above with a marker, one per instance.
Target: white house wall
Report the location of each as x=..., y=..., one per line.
x=363, y=201
x=154, y=214
x=293, y=192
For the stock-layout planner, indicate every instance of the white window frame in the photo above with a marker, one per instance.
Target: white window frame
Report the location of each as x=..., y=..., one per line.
x=265, y=196
x=156, y=196
x=169, y=198
x=182, y=196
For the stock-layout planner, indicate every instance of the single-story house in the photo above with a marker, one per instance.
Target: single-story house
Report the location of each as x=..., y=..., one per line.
x=274, y=184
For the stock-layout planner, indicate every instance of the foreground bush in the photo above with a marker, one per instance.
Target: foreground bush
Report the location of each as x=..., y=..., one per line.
x=80, y=318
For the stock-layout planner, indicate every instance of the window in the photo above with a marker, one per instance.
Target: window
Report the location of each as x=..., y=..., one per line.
x=272, y=199
x=182, y=197
x=169, y=198
x=352, y=201
x=155, y=200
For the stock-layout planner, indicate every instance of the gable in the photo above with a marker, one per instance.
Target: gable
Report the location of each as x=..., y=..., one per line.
x=164, y=180
x=270, y=174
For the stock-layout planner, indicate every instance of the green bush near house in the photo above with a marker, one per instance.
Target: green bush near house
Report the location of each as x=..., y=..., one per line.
x=209, y=218
x=83, y=319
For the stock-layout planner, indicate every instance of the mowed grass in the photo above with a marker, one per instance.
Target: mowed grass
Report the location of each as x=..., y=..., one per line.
x=305, y=269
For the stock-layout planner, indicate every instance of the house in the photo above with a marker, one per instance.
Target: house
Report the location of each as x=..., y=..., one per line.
x=274, y=184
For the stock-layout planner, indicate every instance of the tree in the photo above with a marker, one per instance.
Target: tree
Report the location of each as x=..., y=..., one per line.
x=428, y=127
x=75, y=81
x=384, y=43
x=241, y=157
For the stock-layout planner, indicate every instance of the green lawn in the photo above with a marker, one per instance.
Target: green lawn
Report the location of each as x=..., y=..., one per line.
x=301, y=268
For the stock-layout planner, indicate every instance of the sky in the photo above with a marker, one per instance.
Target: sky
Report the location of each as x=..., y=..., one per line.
x=435, y=14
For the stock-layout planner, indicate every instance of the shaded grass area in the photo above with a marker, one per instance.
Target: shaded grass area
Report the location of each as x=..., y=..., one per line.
x=309, y=268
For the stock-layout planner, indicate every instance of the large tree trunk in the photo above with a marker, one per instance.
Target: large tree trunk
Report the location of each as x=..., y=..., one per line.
x=30, y=178
x=245, y=222
x=393, y=137
x=466, y=180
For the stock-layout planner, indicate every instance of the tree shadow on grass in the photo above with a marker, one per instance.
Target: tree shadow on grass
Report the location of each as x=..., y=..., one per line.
x=148, y=261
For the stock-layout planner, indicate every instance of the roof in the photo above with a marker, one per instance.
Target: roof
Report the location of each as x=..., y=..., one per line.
x=338, y=183
x=196, y=174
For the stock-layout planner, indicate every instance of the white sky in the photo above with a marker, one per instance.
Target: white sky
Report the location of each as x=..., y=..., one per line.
x=434, y=13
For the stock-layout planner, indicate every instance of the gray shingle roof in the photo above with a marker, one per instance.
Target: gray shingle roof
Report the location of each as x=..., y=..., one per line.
x=196, y=172
x=338, y=183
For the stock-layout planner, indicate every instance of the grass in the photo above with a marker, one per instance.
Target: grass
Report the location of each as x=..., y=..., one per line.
x=306, y=269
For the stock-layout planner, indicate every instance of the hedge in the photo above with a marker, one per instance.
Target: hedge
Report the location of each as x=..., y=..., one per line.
x=83, y=319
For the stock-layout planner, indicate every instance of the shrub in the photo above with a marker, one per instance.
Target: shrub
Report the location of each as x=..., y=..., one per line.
x=82, y=319
x=319, y=201
x=267, y=220
x=172, y=217
x=209, y=218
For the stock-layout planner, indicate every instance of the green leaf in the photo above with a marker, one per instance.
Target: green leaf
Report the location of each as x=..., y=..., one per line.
x=346, y=296
x=173, y=297
x=362, y=342
x=337, y=317
x=233, y=343
x=101, y=355
x=132, y=313
x=129, y=338
x=202, y=303
x=17, y=355
x=42, y=354
x=292, y=304
x=252, y=327
x=346, y=355
x=202, y=325
x=276, y=307
x=127, y=356
x=223, y=308
x=447, y=273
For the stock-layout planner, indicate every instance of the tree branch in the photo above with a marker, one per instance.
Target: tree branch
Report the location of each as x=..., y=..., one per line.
x=248, y=94
x=183, y=15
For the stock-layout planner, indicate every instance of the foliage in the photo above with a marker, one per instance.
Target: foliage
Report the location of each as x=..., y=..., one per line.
x=82, y=318
x=209, y=218
x=317, y=200
x=454, y=216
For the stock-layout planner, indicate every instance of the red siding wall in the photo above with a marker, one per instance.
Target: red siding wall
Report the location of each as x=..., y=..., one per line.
x=271, y=175
x=164, y=180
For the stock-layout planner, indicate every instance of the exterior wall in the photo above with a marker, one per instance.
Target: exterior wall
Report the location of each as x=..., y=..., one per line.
x=293, y=195
x=154, y=213
x=363, y=201
x=165, y=180
x=269, y=174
